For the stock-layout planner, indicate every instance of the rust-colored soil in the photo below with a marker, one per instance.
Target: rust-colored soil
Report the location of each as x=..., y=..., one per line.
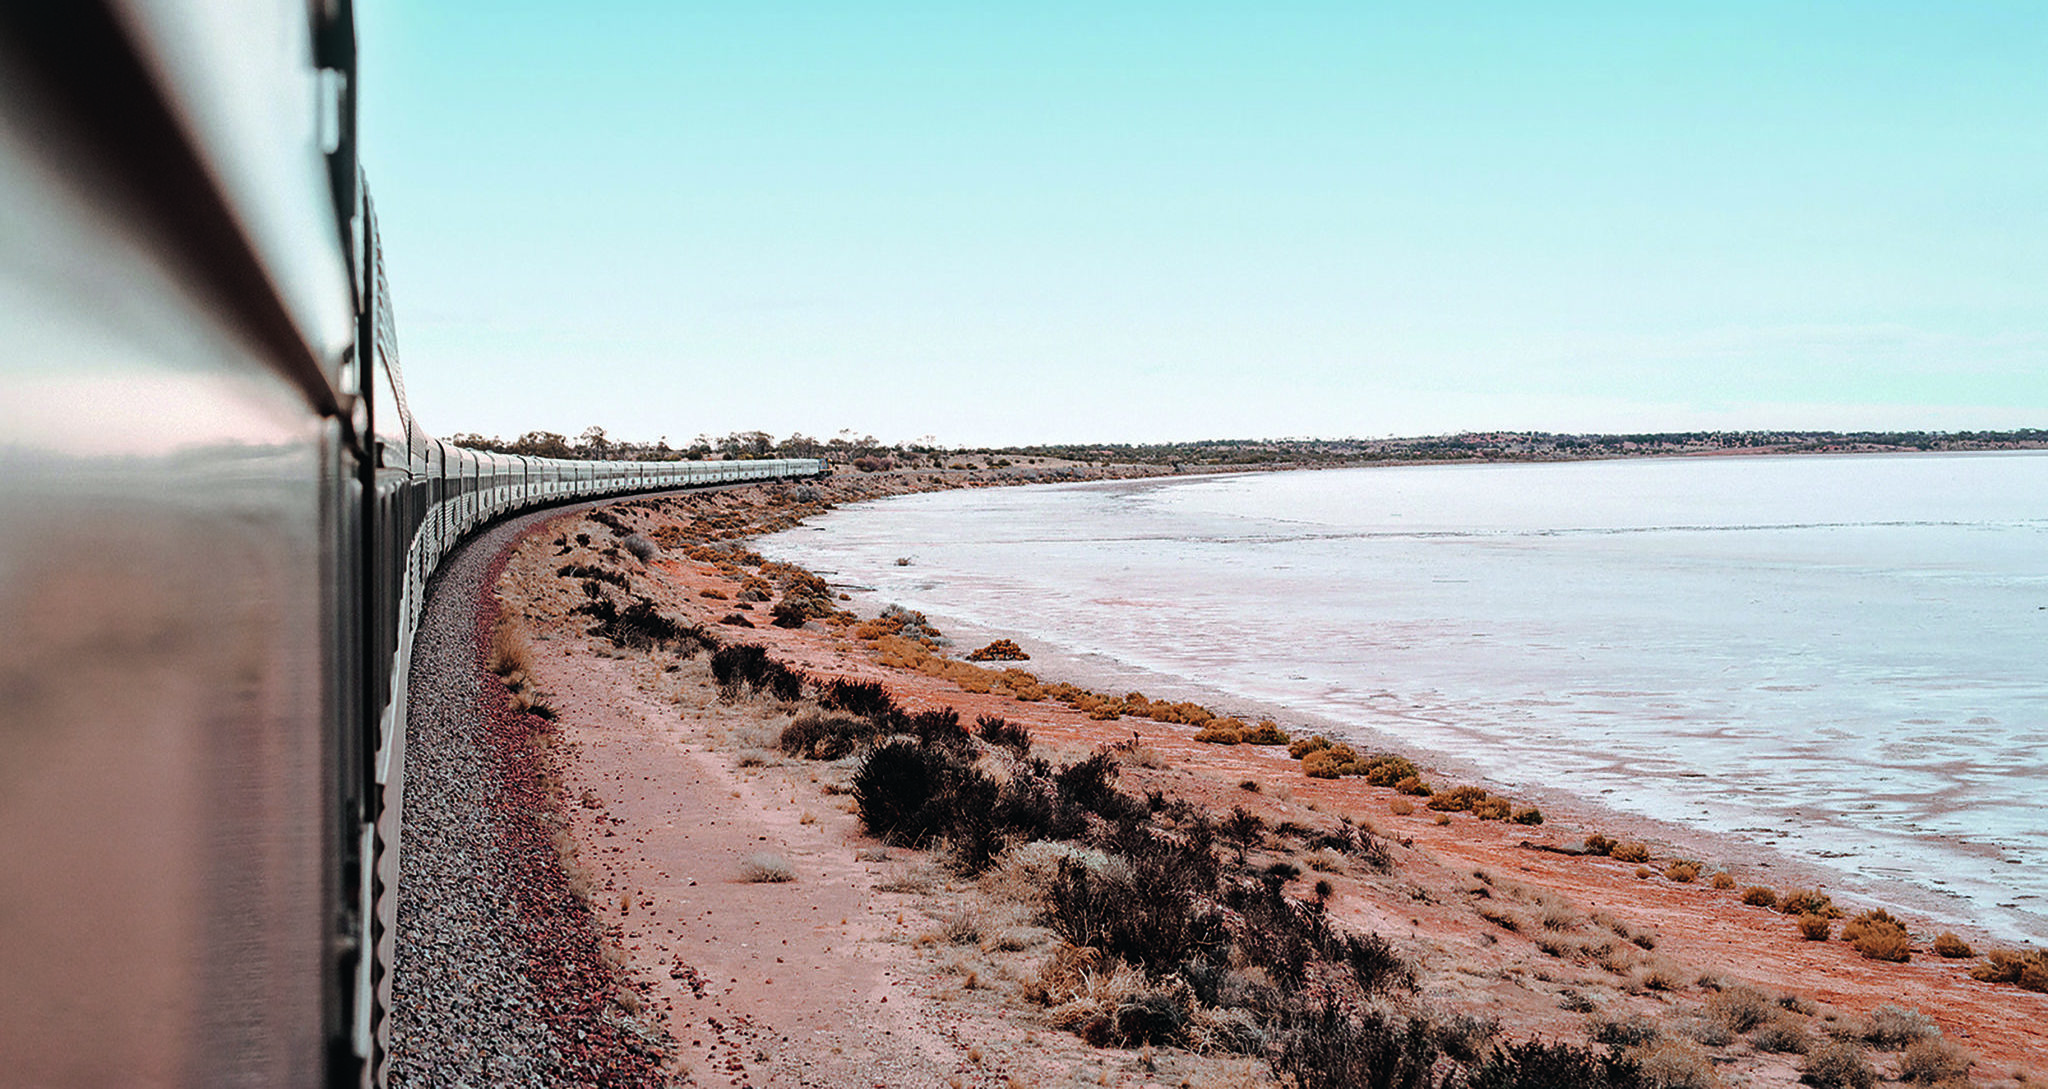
x=838, y=978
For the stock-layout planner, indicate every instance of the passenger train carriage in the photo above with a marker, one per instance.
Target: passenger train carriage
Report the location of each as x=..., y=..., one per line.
x=217, y=521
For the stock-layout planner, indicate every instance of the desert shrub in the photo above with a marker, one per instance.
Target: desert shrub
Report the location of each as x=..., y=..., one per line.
x=735, y=620
x=1723, y=881
x=1837, y=1065
x=1782, y=1036
x=1322, y=764
x=939, y=726
x=1151, y=912
x=1632, y=1030
x=1413, y=785
x=1302, y=746
x=867, y=699
x=1809, y=902
x=592, y=571
x=2029, y=969
x=1457, y=799
x=1685, y=873
x=1266, y=732
x=1708, y=1030
x=911, y=794
x=1530, y=815
x=1218, y=732
x=1243, y=828
x=1760, y=896
x=1927, y=1062
x=1400, y=807
x=824, y=735
x=1004, y=734
x=1630, y=852
x=641, y=548
x=1891, y=1027
x=1597, y=844
x=1741, y=1007
x=1877, y=936
x=1675, y=1063
x=1954, y=948
x=1002, y=650
x=1491, y=809
x=1386, y=770
x=766, y=869
x=1534, y=1064
x=1328, y=1046
x=1814, y=928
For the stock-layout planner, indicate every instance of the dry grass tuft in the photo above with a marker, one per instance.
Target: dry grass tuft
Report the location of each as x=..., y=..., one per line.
x=1762, y=896
x=766, y=868
x=1837, y=1065
x=1723, y=881
x=510, y=651
x=1814, y=928
x=1930, y=1062
x=1685, y=873
x=1878, y=936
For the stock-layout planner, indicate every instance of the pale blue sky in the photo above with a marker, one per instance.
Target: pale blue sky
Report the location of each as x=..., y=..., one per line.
x=1002, y=223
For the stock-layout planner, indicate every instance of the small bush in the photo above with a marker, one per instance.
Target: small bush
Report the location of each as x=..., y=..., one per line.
x=1927, y=1062
x=867, y=699
x=1491, y=809
x=1782, y=1036
x=1414, y=787
x=1877, y=936
x=1741, y=1007
x=1400, y=807
x=1265, y=733
x=1891, y=1027
x=1685, y=873
x=1329, y=1047
x=1809, y=902
x=1537, y=1065
x=1633, y=1030
x=1672, y=1063
x=824, y=735
x=1630, y=852
x=1002, y=650
x=1004, y=734
x=766, y=869
x=1760, y=896
x=1216, y=733
x=1954, y=948
x=641, y=548
x=1457, y=799
x=1723, y=881
x=2028, y=969
x=1322, y=764
x=1837, y=1065
x=1531, y=815
x=1302, y=746
x=1814, y=928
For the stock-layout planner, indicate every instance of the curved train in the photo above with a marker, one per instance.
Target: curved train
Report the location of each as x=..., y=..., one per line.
x=217, y=521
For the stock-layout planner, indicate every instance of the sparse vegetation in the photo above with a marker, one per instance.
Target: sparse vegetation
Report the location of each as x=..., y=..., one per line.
x=1630, y=852
x=1954, y=948
x=1838, y=1064
x=766, y=868
x=1760, y=896
x=1877, y=936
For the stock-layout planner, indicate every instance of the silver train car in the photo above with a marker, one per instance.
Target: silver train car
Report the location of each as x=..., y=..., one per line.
x=217, y=522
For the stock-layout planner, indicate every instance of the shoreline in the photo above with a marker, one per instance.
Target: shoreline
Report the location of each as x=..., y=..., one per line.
x=1877, y=863
x=1430, y=905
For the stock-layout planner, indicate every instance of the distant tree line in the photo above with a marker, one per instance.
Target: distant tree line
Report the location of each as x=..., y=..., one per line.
x=863, y=451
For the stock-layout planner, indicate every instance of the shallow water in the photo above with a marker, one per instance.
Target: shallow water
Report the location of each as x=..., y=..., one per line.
x=1839, y=657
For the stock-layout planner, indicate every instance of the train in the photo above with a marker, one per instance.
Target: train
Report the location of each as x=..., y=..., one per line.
x=218, y=519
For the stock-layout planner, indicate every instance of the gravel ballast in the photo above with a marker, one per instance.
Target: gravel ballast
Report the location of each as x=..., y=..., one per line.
x=499, y=973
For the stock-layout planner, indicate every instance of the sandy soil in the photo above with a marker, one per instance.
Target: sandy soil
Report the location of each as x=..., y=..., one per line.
x=855, y=972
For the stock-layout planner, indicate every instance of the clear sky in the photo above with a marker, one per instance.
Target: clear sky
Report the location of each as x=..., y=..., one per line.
x=1007, y=223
